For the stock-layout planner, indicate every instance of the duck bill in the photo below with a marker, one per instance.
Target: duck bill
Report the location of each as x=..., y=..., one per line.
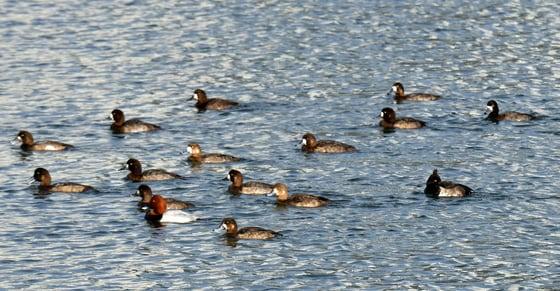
x=15, y=140
x=221, y=228
x=271, y=194
x=31, y=181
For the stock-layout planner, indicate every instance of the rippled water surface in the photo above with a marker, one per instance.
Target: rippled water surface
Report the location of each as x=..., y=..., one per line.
x=318, y=66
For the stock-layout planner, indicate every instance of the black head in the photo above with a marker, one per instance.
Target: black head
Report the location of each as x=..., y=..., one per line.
x=434, y=178
x=492, y=106
x=134, y=166
x=118, y=116
x=388, y=114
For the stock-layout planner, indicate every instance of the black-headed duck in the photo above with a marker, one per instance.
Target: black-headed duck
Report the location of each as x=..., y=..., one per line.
x=197, y=157
x=397, y=90
x=436, y=188
x=203, y=103
x=251, y=188
x=145, y=192
x=160, y=213
x=389, y=120
x=28, y=144
x=495, y=115
x=310, y=144
x=129, y=126
x=298, y=200
x=230, y=227
x=136, y=174
x=43, y=176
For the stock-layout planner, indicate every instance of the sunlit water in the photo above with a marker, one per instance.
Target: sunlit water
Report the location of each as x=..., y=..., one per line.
x=315, y=66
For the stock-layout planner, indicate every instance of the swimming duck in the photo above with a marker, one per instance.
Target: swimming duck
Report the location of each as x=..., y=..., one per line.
x=251, y=188
x=389, y=120
x=435, y=187
x=145, y=192
x=130, y=126
x=298, y=200
x=136, y=174
x=43, y=176
x=197, y=157
x=203, y=103
x=230, y=226
x=311, y=145
x=28, y=144
x=495, y=115
x=397, y=90
x=160, y=213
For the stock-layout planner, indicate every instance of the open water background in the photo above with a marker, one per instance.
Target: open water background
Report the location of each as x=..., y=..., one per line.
x=318, y=66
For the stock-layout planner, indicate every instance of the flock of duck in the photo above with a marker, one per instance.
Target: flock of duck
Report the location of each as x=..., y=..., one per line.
x=163, y=210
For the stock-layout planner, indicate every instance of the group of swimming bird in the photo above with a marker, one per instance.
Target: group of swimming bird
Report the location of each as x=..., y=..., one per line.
x=162, y=210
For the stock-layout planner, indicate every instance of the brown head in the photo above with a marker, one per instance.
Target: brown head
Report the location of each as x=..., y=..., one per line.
x=25, y=137
x=388, y=114
x=158, y=205
x=118, y=116
x=200, y=96
x=194, y=149
x=236, y=178
x=309, y=142
x=281, y=191
x=229, y=225
x=145, y=192
x=397, y=89
x=42, y=175
x=134, y=166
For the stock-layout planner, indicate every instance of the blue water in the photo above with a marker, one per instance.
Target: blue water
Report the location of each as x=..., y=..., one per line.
x=315, y=66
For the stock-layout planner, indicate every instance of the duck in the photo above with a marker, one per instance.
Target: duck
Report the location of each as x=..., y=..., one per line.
x=230, y=227
x=437, y=188
x=159, y=213
x=197, y=157
x=129, y=126
x=297, y=200
x=136, y=174
x=203, y=103
x=495, y=115
x=28, y=144
x=310, y=144
x=250, y=188
x=43, y=176
x=145, y=192
x=397, y=90
x=389, y=120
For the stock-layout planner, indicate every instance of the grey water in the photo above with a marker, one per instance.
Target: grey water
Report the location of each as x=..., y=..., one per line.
x=296, y=67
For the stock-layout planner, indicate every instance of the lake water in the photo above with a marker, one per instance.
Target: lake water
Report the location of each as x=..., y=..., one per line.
x=318, y=66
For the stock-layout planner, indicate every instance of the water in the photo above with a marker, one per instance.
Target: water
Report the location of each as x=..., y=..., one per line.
x=316, y=66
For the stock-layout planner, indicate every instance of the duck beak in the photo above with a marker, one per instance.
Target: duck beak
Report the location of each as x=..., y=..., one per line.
x=272, y=193
x=226, y=178
x=30, y=181
x=109, y=117
x=123, y=167
x=220, y=228
x=15, y=140
x=137, y=193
